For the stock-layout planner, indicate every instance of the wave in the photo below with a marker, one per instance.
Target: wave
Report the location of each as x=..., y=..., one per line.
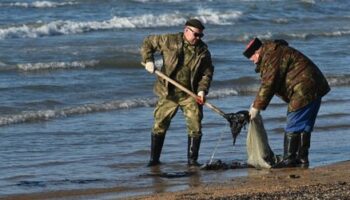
x=123, y=62
x=241, y=85
x=223, y=93
x=49, y=114
x=333, y=127
x=46, y=103
x=68, y=27
x=49, y=66
x=210, y=16
x=335, y=101
x=234, y=87
x=44, y=115
x=308, y=1
x=38, y=4
x=339, y=80
x=233, y=91
x=57, y=65
x=306, y=36
x=249, y=86
x=333, y=116
x=269, y=35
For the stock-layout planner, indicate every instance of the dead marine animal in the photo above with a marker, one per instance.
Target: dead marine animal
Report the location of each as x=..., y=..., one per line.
x=237, y=121
x=215, y=165
x=219, y=165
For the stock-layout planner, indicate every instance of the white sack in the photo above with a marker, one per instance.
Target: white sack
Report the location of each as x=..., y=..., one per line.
x=259, y=152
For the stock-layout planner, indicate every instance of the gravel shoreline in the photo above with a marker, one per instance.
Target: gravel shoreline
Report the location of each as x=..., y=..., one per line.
x=327, y=182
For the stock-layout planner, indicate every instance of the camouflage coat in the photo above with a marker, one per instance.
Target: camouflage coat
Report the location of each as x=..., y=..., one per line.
x=290, y=75
x=170, y=47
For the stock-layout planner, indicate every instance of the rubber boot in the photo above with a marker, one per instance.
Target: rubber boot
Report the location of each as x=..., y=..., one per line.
x=157, y=142
x=291, y=146
x=303, y=154
x=192, y=150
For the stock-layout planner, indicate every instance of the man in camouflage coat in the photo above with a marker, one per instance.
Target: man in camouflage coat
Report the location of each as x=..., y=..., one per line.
x=292, y=76
x=187, y=60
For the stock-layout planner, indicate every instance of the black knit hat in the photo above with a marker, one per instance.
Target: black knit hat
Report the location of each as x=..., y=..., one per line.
x=253, y=45
x=195, y=23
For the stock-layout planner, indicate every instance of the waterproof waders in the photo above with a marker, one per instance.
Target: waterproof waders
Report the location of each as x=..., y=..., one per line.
x=157, y=142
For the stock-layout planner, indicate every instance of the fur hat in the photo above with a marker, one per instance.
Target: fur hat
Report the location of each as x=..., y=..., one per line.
x=253, y=45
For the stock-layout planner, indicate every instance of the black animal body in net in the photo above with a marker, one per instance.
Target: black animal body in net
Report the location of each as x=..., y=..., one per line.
x=237, y=121
x=220, y=165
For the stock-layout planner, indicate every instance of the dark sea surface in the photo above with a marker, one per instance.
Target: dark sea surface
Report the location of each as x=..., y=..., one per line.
x=77, y=107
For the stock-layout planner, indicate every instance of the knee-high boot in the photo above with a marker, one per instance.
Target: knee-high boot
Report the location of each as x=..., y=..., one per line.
x=192, y=150
x=157, y=142
x=303, y=154
x=291, y=146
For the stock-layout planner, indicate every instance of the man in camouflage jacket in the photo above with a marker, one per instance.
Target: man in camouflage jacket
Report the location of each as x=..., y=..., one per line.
x=293, y=77
x=187, y=60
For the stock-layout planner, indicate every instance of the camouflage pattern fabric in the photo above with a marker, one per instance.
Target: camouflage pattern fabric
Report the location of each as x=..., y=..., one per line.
x=166, y=109
x=191, y=66
x=170, y=46
x=182, y=73
x=290, y=75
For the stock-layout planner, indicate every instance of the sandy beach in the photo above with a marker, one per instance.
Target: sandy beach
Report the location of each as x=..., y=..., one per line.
x=325, y=182
x=77, y=106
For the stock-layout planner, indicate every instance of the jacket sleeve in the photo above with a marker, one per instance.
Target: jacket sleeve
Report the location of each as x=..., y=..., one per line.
x=270, y=80
x=206, y=74
x=150, y=45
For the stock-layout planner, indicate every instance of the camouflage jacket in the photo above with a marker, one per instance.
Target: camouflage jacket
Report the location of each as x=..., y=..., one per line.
x=170, y=46
x=290, y=75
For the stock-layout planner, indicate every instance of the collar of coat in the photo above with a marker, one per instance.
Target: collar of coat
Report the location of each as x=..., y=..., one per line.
x=267, y=48
x=200, y=46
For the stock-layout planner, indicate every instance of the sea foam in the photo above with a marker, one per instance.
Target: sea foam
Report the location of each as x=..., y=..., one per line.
x=39, y=4
x=44, y=115
x=56, y=65
x=67, y=27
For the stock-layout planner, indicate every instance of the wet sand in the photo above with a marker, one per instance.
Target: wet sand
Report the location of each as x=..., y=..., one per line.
x=326, y=182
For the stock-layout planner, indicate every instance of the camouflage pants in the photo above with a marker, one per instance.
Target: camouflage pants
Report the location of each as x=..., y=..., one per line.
x=167, y=108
